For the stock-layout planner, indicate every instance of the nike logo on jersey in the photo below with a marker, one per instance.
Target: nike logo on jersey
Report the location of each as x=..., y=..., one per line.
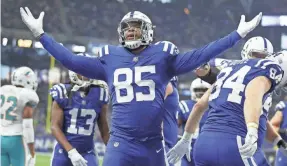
x=157, y=151
x=90, y=151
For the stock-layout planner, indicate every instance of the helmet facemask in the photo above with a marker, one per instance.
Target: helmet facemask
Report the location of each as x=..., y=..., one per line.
x=199, y=92
x=134, y=33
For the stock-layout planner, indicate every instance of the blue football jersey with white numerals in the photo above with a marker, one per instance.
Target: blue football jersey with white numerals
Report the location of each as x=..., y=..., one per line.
x=185, y=110
x=228, y=95
x=137, y=83
x=80, y=114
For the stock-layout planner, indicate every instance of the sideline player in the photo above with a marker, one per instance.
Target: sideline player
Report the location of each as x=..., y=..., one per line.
x=171, y=108
x=77, y=107
x=197, y=88
x=18, y=103
x=279, y=122
x=233, y=116
x=137, y=74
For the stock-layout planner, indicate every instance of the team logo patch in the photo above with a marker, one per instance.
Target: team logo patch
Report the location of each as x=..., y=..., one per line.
x=116, y=144
x=136, y=59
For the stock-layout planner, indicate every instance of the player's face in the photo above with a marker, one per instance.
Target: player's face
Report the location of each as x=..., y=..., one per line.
x=132, y=30
x=258, y=55
x=199, y=92
x=82, y=77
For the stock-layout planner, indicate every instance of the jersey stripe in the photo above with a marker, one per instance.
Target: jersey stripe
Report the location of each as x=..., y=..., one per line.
x=106, y=50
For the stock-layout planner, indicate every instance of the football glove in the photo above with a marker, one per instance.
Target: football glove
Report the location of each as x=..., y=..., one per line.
x=282, y=145
x=76, y=158
x=35, y=25
x=31, y=160
x=245, y=27
x=183, y=147
x=249, y=148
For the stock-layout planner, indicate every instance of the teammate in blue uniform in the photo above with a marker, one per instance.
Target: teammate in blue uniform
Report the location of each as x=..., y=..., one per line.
x=171, y=108
x=77, y=107
x=279, y=122
x=137, y=74
x=197, y=89
x=235, y=112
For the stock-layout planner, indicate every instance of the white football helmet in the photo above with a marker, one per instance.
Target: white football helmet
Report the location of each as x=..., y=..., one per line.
x=146, y=30
x=80, y=82
x=197, y=88
x=281, y=59
x=257, y=44
x=25, y=77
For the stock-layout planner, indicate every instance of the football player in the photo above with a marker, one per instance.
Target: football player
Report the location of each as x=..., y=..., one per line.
x=255, y=47
x=77, y=107
x=236, y=125
x=18, y=103
x=197, y=89
x=171, y=108
x=279, y=122
x=137, y=74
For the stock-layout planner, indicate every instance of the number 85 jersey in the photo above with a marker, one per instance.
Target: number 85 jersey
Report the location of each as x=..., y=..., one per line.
x=80, y=114
x=228, y=96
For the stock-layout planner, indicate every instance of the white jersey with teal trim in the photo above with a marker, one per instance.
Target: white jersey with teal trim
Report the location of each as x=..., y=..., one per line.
x=13, y=102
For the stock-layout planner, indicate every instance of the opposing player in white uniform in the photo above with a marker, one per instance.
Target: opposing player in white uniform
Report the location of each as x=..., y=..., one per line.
x=18, y=102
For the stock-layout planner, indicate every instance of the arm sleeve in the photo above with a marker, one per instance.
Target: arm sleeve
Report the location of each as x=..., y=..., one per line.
x=280, y=106
x=183, y=63
x=86, y=66
x=104, y=95
x=30, y=98
x=211, y=76
x=59, y=94
x=271, y=70
x=183, y=112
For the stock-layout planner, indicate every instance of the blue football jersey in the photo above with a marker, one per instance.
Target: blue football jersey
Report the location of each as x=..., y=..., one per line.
x=228, y=96
x=80, y=114
x=170, y=128
x=137, y=83
x=185, y=110
x=281, y=106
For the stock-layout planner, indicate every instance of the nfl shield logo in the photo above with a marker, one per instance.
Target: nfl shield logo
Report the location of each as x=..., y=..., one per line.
x=135, y=59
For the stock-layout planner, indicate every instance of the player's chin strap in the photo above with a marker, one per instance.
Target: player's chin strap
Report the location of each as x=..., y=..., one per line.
x=28, y=130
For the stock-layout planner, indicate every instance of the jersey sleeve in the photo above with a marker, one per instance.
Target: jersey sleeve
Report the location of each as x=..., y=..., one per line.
x=87, y=66
x=270, y=70
x=59, y=94
x=220, y=63
x=104, y=95
x=30, y=98
x=184, y=62
x=281, y=106
x=183, y=112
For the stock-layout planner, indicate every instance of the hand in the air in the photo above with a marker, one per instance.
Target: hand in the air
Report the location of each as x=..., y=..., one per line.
x=76, y=158
x=35, y=25
x=245, y=27
x=183, y=147
x=249, y=148
x=31, y=160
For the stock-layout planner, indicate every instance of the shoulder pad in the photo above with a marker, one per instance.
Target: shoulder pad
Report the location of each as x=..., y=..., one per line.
x=29, y=96
x=183, y=106
x=58, y=91
x=103, y=51
x=168, y=47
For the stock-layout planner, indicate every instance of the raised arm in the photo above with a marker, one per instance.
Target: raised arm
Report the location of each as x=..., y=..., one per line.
x=183, y=63
x=88, y=67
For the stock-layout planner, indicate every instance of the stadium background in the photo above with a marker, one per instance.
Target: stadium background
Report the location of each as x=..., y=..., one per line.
x=84, y=26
